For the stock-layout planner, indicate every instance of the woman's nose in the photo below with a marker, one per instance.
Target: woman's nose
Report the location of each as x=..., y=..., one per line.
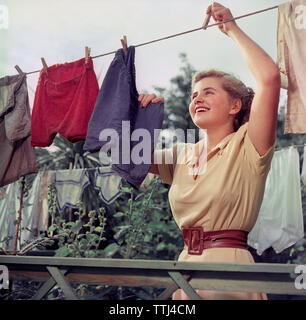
x=199, y=99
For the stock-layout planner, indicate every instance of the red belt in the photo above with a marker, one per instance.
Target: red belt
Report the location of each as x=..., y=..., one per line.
x=197, y=240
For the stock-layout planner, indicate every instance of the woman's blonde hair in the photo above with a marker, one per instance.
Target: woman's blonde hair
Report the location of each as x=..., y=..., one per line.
x=235, y=88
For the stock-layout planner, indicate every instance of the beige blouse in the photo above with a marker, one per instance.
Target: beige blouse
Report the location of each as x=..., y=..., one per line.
x=227, y=193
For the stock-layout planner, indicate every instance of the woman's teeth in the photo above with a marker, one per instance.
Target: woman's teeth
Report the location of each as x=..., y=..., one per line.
x=202, y=109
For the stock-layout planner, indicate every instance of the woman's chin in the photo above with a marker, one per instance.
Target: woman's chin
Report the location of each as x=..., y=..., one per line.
x=200, y=123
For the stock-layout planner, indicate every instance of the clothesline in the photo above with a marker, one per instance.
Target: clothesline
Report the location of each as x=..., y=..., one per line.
x=179, y=34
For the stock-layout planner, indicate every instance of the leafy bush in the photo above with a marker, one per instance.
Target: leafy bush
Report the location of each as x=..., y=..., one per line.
x=144, y=227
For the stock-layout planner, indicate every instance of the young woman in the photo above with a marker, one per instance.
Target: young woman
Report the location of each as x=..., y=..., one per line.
x=221, y=203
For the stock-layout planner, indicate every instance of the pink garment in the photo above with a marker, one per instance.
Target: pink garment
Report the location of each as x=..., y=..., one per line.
x=291, y=57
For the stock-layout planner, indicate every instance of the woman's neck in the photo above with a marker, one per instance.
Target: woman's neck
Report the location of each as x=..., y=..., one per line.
x=217, y=134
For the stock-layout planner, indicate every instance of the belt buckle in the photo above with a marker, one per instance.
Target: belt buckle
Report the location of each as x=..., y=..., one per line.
x=193, y=237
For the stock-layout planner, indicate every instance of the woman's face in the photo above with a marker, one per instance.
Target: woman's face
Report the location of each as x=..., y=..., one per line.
x=210, y=105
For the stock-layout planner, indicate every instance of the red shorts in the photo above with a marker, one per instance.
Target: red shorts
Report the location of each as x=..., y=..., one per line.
x=64, y=101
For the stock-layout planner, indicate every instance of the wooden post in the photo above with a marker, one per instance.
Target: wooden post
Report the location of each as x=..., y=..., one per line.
x=19, y=214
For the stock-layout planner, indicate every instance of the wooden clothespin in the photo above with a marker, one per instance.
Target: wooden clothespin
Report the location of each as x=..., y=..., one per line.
x=44, y=65
x=124, y=44
x=87, y=53
x=19, y=70
x=206, y=21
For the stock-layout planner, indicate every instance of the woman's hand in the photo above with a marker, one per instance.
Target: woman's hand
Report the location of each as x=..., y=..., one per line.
x=220, y=13
x=145, y=99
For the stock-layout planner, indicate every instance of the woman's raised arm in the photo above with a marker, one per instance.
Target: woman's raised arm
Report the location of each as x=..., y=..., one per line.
x=263, y=116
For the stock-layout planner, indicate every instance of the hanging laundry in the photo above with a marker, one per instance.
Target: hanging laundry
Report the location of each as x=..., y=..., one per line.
x=117, y=112
x=291, y=57
x=9, y=210
x=280, y=219
x=3, y=195
x=40, y=206
x=108, y=184
x=303, y=174
x=17, y=156
x=69, y=185
x=9, y=214
x=64, y=100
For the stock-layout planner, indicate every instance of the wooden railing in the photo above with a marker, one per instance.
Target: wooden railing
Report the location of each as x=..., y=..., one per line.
x=259, y=277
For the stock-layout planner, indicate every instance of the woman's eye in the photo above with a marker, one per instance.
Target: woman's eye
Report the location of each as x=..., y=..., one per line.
x=206, y=93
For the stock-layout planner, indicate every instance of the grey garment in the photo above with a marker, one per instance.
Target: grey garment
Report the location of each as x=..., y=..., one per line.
x=117, y=103
x=17, y=156
x=14, y=107
x=9, y=211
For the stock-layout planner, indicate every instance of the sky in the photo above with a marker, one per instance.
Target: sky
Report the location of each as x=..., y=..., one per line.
x=59, y=30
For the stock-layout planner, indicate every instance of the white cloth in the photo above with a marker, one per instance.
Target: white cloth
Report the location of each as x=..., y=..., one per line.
x=280, y=219
x=9, y=210
x=303, y=174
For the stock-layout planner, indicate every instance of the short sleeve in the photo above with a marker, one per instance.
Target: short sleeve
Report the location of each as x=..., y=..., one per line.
x=257, y=164
x=166, y=162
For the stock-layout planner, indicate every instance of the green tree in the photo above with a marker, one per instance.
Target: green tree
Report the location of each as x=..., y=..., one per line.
x=177, y=98
x=65, y=153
